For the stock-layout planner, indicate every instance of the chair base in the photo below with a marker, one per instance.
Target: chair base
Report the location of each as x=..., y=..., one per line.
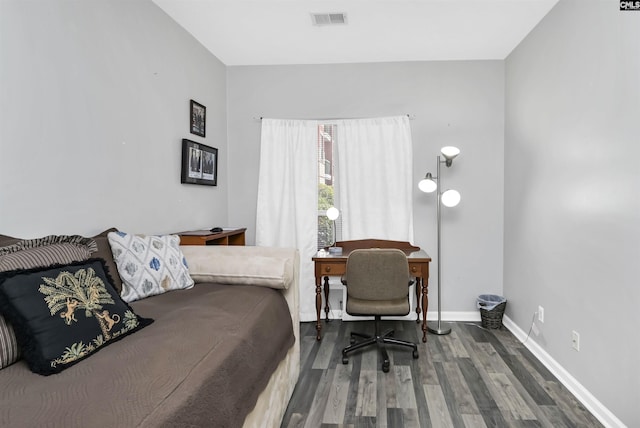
x=380, y=340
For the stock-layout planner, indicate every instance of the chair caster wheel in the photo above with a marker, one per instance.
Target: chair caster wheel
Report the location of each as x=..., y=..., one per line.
x=415, y=355
x=385, y=367
x=345, y=360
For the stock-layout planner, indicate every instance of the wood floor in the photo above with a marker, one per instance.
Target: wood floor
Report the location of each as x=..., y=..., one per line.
x=470, y=378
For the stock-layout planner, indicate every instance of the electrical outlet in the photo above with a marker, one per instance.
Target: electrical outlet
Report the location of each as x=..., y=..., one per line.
x=540, y=314
x=575, y=340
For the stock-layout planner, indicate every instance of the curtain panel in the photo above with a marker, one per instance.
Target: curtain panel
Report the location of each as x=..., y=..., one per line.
x=287, y=207
x=375, y=178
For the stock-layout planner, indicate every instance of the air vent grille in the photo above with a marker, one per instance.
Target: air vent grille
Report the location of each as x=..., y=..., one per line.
x=328, y=18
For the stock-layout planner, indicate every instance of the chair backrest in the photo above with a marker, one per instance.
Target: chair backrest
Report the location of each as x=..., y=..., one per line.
x=377, y=274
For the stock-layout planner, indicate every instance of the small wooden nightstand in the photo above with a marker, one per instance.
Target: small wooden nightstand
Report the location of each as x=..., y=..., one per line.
x=205, y=237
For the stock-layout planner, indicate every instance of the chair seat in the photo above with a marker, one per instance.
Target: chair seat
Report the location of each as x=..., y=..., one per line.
x=362, y=307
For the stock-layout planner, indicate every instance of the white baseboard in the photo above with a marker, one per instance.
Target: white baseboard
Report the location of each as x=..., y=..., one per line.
x=603, y=414
x=472, y=316
x=336, y=314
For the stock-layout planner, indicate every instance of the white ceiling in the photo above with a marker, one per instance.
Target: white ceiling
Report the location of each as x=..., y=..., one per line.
x=261, y=32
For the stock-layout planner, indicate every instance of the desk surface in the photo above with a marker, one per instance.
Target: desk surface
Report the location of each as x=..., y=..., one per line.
x=376, y=243
x=419, y=255
x=228, y=236
x=411, y=251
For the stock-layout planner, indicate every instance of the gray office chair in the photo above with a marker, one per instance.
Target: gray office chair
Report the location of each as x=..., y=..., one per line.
x=377, y=282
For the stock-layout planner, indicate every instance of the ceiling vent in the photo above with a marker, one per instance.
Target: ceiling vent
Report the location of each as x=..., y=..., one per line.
x=328, y=18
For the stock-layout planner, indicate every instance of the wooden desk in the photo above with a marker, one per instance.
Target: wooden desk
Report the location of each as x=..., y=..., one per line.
x=205, y=237
x=336, y=265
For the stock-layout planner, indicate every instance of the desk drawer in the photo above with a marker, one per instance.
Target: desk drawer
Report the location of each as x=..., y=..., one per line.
x=330, y=269
x=419, y=270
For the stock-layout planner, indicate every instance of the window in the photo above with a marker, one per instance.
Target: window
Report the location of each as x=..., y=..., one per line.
x=326, y=190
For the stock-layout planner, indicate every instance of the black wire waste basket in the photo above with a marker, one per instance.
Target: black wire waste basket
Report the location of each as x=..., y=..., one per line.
x=491, y=310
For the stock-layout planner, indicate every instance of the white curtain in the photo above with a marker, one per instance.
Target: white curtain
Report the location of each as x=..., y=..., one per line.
x=374, y=187
x=375, y=176
x=287, y=210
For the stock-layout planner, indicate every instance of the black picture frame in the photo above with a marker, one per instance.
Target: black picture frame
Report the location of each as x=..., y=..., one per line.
x=199, y=164
x=198, y=119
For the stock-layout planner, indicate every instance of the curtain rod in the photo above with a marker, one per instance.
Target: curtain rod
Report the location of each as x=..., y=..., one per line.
x=410, y=116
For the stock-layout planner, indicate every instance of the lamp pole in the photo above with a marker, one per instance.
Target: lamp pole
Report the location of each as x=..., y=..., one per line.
x=439, y=330
x=451, y=199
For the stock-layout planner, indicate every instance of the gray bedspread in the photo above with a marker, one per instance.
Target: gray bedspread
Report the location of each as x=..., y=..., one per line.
x=202, y=363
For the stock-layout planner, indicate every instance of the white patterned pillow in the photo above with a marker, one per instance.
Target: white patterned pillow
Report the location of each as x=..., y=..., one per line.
x=149, y=265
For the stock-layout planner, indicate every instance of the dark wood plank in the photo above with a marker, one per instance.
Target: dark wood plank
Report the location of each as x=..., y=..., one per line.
x=419, y=389
x=304, y=394
x=449, y=395
x=536, y=364
x=395, y=417
x=320, y=400
x=481, y=394
x=527, y=380
x=355, y=361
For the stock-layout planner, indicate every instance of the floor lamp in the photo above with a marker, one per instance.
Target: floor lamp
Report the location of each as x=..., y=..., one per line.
x=449, y=198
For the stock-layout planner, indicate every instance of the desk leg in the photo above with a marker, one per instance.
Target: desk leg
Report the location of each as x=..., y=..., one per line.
x=418, y=293
x=326, y=298
x=425, y=305
x=318, y=306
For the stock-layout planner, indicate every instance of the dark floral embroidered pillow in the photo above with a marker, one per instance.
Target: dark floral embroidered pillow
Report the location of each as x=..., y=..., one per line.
x=63, y=314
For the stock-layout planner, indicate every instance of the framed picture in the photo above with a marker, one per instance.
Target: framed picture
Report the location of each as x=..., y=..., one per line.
x=198, y=119
x=199, y=164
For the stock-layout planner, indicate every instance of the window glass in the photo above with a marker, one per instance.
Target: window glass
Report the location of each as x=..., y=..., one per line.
x=326, y=190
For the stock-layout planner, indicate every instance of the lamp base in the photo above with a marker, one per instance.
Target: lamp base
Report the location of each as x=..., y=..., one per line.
x=439, y=331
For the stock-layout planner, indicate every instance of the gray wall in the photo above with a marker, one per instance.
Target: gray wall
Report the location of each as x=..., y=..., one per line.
x=453, y=103
x=95, y=101
x=572, y=205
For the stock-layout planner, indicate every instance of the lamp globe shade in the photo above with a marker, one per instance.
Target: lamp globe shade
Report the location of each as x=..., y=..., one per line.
x=450, y=152
x=427, y=184
x=450, y=198
x=333, y=213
